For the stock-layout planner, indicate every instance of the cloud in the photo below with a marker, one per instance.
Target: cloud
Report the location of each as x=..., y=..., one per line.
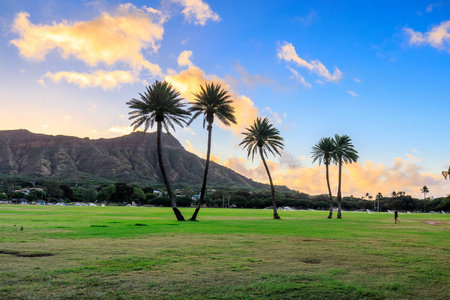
x=438, y=37
x=413, y=158
x=105, y=80
x=274, y=117
x=357, y=178
x=353, y=94
x=248, y=79
x=299, y=78
x=312, y=16
x=197, y=11
x=109, y=39
x=122, y=130
x=184, y=59
x=67, y=117
x=202, y=155
x=286, y=51
x=358, y=80
x=188, y=82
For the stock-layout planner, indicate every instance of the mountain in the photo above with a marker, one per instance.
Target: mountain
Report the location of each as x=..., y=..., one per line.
x=131, y=158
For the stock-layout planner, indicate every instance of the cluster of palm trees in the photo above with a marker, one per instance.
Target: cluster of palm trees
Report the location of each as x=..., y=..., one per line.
x=162, y=105
x=338, y=150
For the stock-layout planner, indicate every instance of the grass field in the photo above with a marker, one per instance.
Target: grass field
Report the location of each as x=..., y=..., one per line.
x=139, y=253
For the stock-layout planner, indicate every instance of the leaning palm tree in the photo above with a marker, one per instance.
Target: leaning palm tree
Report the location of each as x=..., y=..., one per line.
x=324, y=151
x=446, y=173
x=212, y=101
x=345, y=153
x=160, y=104
x=262, y=137
x=424, y=190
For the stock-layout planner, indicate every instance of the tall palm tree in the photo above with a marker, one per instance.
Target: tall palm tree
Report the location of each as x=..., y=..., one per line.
x=424, y=190
x=446, y=173
x=212, y=101
x=324, y=151
x=161, y=104
x=379, y=196
x=262, y=137
x=345, y=153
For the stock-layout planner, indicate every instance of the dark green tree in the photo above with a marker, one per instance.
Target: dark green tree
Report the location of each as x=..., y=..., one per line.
x=323, y=151
x=162, y=105
x=344, y=153
x=262, y=137
x=212, y=101
x=424, y=190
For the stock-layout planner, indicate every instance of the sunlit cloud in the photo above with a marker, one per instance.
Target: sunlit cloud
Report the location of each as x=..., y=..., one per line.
x=122, y=130
x=413, y=158
x=437, y=37
x=111, y=38
x=67, y=117
x=286, y=51
x=197, y=11
x=189, y=81
x=190, y=148
x=184, y=59
x=273, y=116
x=357, y=178
x=105, y=80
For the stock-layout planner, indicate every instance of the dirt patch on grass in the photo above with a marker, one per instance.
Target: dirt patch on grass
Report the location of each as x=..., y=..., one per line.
x=433, y=222
x=23, y=254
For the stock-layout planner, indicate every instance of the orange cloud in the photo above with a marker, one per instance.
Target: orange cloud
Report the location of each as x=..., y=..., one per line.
x=438, y=37
x=188, y=82
x=109, y=38
x=357, y=178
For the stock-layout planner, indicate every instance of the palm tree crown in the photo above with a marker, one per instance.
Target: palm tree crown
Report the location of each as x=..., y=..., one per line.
x=212, y=101
x=262, y=135
x=446, y=173
x=323, y=151
x=345, y=151
x=159, y=103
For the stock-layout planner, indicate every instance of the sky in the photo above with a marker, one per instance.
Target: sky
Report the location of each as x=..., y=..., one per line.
x=377, y=71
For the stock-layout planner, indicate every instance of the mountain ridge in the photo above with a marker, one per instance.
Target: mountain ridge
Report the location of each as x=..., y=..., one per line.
x=130, y=158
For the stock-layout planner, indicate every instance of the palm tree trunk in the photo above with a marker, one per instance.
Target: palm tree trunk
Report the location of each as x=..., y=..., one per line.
x=164, y=175
x=272, y=189
x=330, y=214
x=205, y=175
x=339, y=196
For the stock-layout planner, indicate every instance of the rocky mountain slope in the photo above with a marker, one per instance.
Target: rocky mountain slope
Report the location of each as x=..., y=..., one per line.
x=130, y=158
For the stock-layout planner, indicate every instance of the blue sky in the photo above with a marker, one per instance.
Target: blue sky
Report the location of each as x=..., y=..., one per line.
x=376, y=71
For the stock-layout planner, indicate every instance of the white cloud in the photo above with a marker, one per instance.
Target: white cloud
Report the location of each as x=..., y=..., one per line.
x=353, y=94
x=286, y=51
x=299, y=77
x=437, y=37
x=358, y=80
x=105, y=80
x=67, y=117
x=197, y=11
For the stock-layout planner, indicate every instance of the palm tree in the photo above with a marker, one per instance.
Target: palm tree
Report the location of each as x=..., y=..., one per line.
x=345, y=153
x=446, y=173
x=324, y=151
x=379, y=196
x=212, y=101
x=394, y=194
x=424, y=190
x=160, y=104
x=263, y=137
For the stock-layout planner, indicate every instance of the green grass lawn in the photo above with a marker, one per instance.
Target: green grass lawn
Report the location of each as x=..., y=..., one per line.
x=140, y=253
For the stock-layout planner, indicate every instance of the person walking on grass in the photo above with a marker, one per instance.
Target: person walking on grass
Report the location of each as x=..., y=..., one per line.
x=396, y=217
